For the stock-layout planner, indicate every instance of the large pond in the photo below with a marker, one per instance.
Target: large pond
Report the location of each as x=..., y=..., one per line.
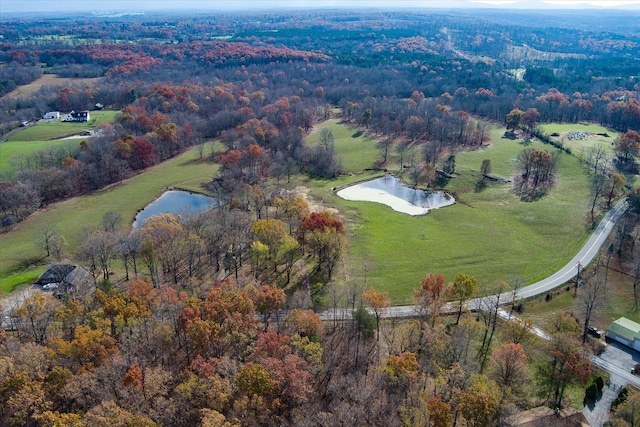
x=389, y=191
x=175, y=202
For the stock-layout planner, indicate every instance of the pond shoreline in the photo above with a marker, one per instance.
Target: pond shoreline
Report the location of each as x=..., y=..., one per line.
x=391, y=191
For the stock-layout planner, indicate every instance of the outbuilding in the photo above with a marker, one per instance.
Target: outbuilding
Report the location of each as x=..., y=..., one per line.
x=52, y=115
x=626, y=332
x=67, y=279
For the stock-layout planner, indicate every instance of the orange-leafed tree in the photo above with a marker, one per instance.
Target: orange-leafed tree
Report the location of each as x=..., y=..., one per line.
x=378, y=302
x=508, y=367
x=439, y=412
x=432, y=295
x=268, y=300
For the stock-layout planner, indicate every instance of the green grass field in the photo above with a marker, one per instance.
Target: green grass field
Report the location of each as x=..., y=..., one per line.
x=42, y=136
x=19, y=250
x=490, y=234
x=580, y=147
x=355, y=148
x=44, y=131
x=10, y=150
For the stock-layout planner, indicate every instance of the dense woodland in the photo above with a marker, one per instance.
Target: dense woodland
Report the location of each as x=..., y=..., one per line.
x=194, y=333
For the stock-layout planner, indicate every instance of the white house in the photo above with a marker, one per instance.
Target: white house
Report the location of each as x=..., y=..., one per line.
x=52, y=115
x=80, y=116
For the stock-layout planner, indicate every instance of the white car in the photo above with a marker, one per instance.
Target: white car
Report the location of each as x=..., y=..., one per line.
x=50, y=287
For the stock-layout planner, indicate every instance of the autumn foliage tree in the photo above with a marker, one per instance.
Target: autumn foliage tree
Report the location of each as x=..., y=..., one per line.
x=508, y=367
x=268, y=300
x=432, y=295
x=322, y=234
x=536, y=168
x=378, y=301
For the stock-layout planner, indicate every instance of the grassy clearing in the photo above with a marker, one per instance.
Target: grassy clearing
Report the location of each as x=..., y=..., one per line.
x=490, y=234
x=10, y=150
x=47, y=130
x=355, y=148
x=18, y=248
x=581, y=146
x=40, y=136
x=619, y=302
x=26, y=91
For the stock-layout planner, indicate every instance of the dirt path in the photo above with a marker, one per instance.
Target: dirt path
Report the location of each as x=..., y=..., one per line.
x=10, y=302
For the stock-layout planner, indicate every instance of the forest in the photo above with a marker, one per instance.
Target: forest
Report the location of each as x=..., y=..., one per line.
x=214, y=319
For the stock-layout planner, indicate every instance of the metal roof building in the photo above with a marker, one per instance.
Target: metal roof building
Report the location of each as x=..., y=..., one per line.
x=625, y=332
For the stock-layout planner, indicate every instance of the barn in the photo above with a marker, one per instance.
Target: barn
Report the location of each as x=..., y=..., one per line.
x=626, y=332
x=52, y=115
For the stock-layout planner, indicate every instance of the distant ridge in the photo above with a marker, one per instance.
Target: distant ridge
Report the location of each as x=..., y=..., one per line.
x=120, y=6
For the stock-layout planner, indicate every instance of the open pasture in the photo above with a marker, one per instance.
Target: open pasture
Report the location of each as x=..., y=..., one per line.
x=354, y=147
x=489, y=233
x=18, y=248
x=43, y=136
x=581, y=138
x=10, y=151
x=26, y=91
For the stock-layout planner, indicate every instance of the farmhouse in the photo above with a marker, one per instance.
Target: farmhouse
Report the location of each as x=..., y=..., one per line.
x=626, y=332
x=80, y=116
x=66, y=279
x=52, y=115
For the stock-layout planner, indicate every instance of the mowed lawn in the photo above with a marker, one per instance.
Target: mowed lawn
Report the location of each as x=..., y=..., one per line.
x=50, y=129
x=19, y=249
x=11, y=150
x=41, y=136
x=490, y=233
x=356, y=150
x=582, y=146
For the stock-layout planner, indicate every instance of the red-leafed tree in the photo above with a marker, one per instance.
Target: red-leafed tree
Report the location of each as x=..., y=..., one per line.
x=142, y=155
x=508, y=366
x=323, y=235
x=432, y=295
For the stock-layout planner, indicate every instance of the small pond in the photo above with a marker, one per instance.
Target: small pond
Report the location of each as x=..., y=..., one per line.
x=389, y=191
x=175, y=202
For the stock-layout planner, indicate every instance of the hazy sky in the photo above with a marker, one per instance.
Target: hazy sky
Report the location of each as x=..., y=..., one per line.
x=147, y=5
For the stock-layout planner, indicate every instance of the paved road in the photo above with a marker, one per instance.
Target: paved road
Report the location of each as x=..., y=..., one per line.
x=584, y=256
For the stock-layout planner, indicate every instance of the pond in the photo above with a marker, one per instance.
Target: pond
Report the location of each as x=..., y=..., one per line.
x=389, y=191
x=175, y=202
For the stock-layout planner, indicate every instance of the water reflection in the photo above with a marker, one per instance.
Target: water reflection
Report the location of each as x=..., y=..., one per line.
x=175, y=202
x=389, y=191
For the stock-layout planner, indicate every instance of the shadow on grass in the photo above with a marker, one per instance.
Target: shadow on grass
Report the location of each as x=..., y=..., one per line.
x=357, y=134
x=533, y=196
x=480, y=186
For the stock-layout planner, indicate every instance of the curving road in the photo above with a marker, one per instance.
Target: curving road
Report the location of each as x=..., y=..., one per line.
x=584, y=256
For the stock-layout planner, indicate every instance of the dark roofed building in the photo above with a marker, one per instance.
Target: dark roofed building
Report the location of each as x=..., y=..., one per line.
x=67, y=279
x=80, y=116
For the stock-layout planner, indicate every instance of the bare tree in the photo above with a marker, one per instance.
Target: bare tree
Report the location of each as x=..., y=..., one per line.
x=383, y=146
x=50, y=240
x=598, y=184
x=111, y=221
x=636, y=279
x=597, y=154
x=326, y=138
x=592, y=297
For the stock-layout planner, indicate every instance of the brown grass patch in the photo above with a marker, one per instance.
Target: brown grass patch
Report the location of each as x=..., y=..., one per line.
x=26, y=91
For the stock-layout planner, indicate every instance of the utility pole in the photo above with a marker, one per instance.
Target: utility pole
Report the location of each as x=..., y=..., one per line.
x=575, y=289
